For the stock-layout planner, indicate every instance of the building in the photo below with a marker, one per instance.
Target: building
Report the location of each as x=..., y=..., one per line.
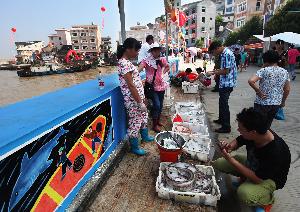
x=201, y=17
x=246, y=9
x=229, y=7
x=25, y=50
x=61, y=38
x=105, y=47
x=86, y=38
x=272, y=5
x=140, y=33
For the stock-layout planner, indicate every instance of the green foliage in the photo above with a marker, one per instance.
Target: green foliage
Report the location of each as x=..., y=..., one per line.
x=286, y=19
x=199, y=43
x=219, y=20
x=252, y=27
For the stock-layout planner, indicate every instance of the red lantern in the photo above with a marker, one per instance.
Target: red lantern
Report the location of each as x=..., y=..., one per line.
x=13, y=29
x=182, y=19
x=103, y=9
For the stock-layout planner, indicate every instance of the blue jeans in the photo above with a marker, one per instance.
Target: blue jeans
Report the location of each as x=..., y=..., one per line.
x=291, y=70
x=158, y=102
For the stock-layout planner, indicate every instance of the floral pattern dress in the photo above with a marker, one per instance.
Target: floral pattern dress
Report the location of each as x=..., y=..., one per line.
x=137, y=119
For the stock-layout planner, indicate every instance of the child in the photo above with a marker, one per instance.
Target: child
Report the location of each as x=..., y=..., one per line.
x=206, y=81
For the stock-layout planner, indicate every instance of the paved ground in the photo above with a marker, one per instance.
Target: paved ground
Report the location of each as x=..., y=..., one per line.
x=288, y=198
x=132, y=185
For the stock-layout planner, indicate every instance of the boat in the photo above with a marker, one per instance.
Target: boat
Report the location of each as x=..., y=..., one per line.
x=44, y=71
x=14, y=67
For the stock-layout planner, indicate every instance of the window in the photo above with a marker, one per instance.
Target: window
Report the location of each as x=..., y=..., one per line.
x=92, y=40
x=83, y=34
x=84, y=41
x=75, y=41
x=203, y=9
x=76, y=47
x=229, y=9
x=84, y=47
x=74, y=34
x=193, y=40
x=59, y=38
x=202, y=29
x=178, y=4
x=202, y=39
x=193, y=10
x=193, y=30
x=258, y=3
x=242, y=7
x=92, y=34
x=210, y=28
x=93, y=47
x=51, y=38
x=240, y=22
x=229, y=2
x=203, y=19
x=211, y=19
x=193, y=20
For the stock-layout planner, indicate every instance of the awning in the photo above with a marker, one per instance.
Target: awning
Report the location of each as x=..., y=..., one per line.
x=265, y=39
x=289, y=37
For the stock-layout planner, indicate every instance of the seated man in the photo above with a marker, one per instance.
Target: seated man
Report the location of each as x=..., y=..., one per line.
x=266, y=166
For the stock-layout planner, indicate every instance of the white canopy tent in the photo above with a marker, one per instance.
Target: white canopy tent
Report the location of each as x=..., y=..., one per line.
x=289, y=37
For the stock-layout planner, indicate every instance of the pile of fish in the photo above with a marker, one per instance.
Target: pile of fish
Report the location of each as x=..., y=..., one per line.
x=170, y=140
x=188, y=178
x=195, y=146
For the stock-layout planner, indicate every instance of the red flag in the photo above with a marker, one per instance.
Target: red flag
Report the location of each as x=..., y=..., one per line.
x=182, y=18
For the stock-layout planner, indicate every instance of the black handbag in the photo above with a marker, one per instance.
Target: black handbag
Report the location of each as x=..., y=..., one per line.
x=149, y=87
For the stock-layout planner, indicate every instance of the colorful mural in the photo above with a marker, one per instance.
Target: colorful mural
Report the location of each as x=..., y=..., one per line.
x=41, y=175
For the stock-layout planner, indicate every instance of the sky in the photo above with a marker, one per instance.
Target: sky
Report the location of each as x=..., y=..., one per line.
x=36, y=19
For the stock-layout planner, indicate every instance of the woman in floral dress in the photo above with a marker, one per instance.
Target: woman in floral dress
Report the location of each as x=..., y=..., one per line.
x=133, y=93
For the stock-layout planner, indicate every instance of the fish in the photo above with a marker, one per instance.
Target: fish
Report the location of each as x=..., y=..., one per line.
x=32, y=167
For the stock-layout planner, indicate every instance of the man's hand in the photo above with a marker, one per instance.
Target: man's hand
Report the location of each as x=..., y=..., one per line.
x=282, y=104
x=261, y=95
x=225, y=154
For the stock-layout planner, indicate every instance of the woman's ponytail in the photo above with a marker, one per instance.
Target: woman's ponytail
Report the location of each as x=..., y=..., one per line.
x=120, y=51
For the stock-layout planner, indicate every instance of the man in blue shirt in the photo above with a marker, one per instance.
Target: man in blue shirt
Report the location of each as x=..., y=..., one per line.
x=228, y=79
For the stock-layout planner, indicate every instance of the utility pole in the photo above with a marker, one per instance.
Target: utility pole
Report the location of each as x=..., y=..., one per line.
x=167, y=36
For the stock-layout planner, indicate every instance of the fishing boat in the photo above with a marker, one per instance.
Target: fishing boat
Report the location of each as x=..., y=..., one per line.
x=50, y=70
x=14, y=67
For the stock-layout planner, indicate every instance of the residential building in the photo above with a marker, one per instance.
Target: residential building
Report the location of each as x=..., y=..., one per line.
x=229, y=7
x=105, y=46
x=220, y=6
x=201, y=17
x=86, y=38
x=246, y=9
x=272, y=5
x=140, y=33
x=25, y=49
x=60, y=38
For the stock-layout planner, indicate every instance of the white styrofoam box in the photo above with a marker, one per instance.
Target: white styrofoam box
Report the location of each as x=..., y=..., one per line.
x=188, y=87
x=198, y=147
x=192, y=117
x=166, y=192
x=184, y=107
x=186, y=129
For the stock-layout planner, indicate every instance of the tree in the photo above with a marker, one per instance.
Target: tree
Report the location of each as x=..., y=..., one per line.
x=199, y=43
x=286, y=19
x=219, y=20
x=252, y=27
x=122, y=20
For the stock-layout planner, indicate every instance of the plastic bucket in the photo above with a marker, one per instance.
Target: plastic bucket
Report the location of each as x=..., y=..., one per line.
x=167, y=155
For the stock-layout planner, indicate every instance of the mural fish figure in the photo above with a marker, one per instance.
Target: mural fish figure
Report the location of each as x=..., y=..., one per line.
x=32, y=167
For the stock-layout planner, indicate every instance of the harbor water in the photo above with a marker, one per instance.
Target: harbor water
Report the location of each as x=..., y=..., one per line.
x=14, y=88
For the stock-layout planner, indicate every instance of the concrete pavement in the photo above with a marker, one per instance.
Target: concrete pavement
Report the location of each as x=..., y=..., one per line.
x=287, y=199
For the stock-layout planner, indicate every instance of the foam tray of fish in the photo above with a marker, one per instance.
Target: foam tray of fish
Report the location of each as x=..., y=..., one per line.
x=188, y=87
x=185, y=129
x=184, y=182
x=184, y=107
x=192, y=117
x=198, y=147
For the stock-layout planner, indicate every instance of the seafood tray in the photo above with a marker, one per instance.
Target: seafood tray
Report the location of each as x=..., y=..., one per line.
x=169, y=140
x=184, y=182
x=198, y=147
x=184, y=107
x=188, y=87
x=192, y=117
x=185, y=129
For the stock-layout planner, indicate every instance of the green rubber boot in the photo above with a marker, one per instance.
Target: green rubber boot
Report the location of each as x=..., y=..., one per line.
x=134, y=144
x=145, y=136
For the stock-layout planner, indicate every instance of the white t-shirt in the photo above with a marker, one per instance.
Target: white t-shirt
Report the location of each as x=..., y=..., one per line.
x=143, y=52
